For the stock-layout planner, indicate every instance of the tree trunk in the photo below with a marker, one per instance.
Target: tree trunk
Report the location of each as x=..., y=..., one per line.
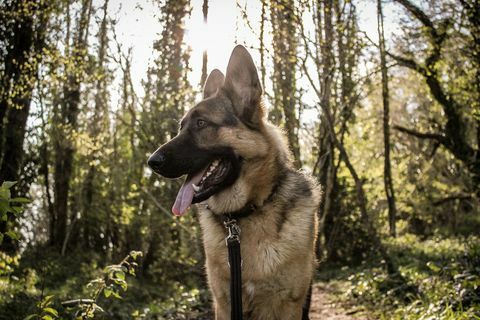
x=284, y=72
x=205, y=54
x=387, y=171
x=19, y=78
x=262, y=42
x=21, y=63
x=68, y=124
x=98, y=125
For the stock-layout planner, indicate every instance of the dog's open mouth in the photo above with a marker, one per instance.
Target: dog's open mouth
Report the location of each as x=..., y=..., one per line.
x=203, y=184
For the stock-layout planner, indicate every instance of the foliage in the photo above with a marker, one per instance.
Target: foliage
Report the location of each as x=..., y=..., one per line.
x=446, y=272
x=9, y=206
x=111, y=284
x=75, y=131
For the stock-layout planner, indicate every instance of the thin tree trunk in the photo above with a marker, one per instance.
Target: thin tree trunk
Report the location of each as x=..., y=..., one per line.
x=68, y=117
x=324, y=96
x=327, y=174
x=361, y=198
x=205, y=54
x=387, y=171
x=100, y=113
x=262, y=43
x=284, y=73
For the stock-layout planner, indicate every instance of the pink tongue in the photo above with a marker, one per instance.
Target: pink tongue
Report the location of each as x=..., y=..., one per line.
x=185, y=194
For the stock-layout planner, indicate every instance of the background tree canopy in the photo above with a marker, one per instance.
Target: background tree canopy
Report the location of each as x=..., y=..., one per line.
x=380, y=101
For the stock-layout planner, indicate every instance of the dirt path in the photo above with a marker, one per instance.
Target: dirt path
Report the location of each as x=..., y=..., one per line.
x=325, y=306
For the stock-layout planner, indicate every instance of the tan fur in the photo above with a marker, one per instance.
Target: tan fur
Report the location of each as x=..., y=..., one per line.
x=277, y=265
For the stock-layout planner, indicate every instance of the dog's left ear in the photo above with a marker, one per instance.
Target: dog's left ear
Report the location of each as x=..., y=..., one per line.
x=214, y=82
x=243, y=87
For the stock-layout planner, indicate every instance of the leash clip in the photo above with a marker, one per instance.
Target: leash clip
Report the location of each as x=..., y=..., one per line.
x=233, y=230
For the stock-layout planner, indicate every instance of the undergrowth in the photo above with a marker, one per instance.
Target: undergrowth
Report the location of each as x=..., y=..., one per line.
x=80, y=288
x=444, y=272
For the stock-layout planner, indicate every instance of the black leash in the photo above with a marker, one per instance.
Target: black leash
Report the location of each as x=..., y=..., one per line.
x=235, y=262
x=232, y=241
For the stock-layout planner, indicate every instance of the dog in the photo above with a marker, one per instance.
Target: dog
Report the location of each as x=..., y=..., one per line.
x=236, y=162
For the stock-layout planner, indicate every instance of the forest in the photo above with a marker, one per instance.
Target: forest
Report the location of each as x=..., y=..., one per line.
x=380, y=103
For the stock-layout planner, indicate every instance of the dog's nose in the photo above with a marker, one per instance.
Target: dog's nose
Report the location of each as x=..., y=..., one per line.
x=156, y=161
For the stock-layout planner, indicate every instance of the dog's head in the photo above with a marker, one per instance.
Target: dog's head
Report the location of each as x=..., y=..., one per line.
x=217, y=136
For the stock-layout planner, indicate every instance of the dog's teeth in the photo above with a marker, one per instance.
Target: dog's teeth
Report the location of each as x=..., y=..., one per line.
x=195, y=187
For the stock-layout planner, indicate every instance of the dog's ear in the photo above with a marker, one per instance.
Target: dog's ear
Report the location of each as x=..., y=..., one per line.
x=214, y=82
x=243, y=87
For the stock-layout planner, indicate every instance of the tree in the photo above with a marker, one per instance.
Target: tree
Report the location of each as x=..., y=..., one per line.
x=453, y=135
x=98, y=130
x=23, y=25
x=387, y=169
x=66, y=119
x=168, y=95
x=284, y=72
x=205, y=54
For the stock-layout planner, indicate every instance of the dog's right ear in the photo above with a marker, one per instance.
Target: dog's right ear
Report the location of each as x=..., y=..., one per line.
x=214, y=82
x=243, y=87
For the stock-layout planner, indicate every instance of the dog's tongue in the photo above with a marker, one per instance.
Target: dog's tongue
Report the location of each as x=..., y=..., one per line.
x=185, y=194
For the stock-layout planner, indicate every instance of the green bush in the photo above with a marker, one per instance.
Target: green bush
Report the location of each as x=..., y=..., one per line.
x=446, y=273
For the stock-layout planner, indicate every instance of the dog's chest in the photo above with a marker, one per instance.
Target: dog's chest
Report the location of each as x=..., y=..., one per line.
x=261, y=249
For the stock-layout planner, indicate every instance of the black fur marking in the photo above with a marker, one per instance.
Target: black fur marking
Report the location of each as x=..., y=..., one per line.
x=230, y=120
x=299, y=191
x=306, y=306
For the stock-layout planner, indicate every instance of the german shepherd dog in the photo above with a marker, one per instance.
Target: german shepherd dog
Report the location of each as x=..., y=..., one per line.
x=237, y=162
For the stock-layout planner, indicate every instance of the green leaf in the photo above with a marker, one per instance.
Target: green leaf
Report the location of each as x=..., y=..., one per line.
x=1, y=238
x=20, y=200
x=432, y=266
x=4, y=207
x=30, y=317
x=47, y=317
x=135, y=254
x=8, y=184
x=120, y=275
x=107, y=292
x=16, y=210
x=116, y=295
x=51, y=311
x=4, y=194
x=47, y=300
x=12, y=235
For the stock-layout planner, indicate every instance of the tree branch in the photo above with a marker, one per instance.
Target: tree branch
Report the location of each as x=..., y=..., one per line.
x=409, y=63
x=420, y=15
x=439, y=202
x=422, y=135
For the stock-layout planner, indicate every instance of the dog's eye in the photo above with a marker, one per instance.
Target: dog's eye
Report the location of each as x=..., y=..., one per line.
x=201, y=123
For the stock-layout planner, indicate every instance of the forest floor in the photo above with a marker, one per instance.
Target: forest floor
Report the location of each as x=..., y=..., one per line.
x=326, y=304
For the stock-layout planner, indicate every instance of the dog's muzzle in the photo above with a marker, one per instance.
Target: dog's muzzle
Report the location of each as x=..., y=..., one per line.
x=156, y=161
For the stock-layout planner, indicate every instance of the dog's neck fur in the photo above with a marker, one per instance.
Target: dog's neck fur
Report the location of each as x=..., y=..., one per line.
x=243, y=193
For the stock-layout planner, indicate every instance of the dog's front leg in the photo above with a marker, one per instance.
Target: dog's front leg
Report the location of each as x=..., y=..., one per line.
x=290, y=311
x=221, y=295
x=222, y=311
x=222, y=307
